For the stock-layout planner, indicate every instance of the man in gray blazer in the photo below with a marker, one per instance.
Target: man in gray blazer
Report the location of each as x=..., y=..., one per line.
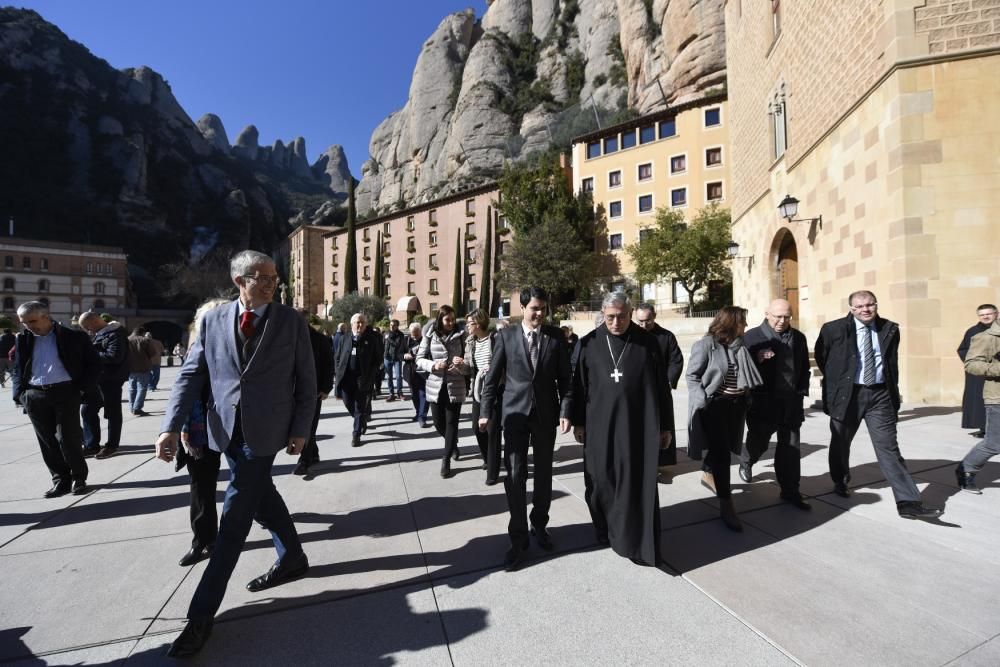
x=257, y=359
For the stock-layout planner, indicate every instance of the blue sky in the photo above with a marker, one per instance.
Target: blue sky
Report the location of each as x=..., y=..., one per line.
x=327, y=70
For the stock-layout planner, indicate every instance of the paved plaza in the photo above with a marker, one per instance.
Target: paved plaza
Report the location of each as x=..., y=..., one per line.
x=406, y=566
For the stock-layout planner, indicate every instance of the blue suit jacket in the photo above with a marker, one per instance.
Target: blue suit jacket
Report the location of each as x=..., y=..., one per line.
x=275, y=392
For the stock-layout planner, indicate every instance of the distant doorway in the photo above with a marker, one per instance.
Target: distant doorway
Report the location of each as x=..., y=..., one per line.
x=785, y=270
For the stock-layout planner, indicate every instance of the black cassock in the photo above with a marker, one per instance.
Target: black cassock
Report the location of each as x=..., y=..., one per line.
x=623, y=421
x=973, y=409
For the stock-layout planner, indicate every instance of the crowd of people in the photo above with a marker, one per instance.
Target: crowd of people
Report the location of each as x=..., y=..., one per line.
x=255, y=376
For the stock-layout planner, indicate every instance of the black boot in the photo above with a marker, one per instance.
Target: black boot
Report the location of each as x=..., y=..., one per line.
x=445, y=468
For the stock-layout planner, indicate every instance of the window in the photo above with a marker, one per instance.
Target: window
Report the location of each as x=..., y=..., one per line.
x=587, y=184
x=472, y=304
x=615, y=209
x=368, y=291
x=470, y=254
x=779, y=126
x=679, y=197
x=333, y=296
x=628, y=139
x=411, y=264
x=775, y=19
x=411, y=289
x=333, y=244
x=432, y=239
x=8, y=283
x=385, y=228
x=366, y=254
x=385, y=248
x=502, y=222
x=366, y=234
x=645, y=203
x=713, y=156
x=107, y=269
x=90, y=265
x=615, y=179
x=434, y=285
x=44, y=300
x=432, y=262
x=680, y=294
x=8, y=262
x=593, y=149
x=668, y=128
x=367, y=272
x=432, y=217
x=98, y=304
x=611, y=145
x=98, y=288
x=644, y=234
x=411, y=243
x=713, y=117
x=647, y=134
x=505, y=307
x=470, y=206
x=26, y=262
x=615, y=242
x=645, y=171
x=8, y=303
x=434, y=308
x=678, y=164
x=502, y=248
x=409, y=223
x=470, y=229
x=470, y=281
x=713, y=191
x=43, y=285
x=43, y=263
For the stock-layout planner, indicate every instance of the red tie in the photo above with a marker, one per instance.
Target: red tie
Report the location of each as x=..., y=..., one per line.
x=246, y=323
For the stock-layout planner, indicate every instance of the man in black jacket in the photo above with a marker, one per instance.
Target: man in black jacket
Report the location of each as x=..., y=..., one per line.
x=645, y=317
x=395, y=348
x=55, y=366
x=781, y=355
x=359, y=357
x=858, y=358
x=533, y=363
x=323, y=358
x=111, y=342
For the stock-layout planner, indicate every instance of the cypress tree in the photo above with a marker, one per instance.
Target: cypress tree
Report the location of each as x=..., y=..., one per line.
x=487, y=261
x=457, y=295
x=351, y=258
x=377, y=279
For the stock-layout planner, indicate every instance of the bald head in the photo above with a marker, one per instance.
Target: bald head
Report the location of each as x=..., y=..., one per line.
x=91, y=322
x=779, y=315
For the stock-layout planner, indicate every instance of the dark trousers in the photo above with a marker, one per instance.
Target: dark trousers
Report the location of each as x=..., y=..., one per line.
x=445, y=415
x=310, y=453
x=723, y=418
x=787, y=463
x=542, y=440
x=55, y=414
x=111, y=400
x=251, y=495
x=204, y=480
x=357, y=404
x=874, y=406
x=418, y=394
x=489, y=441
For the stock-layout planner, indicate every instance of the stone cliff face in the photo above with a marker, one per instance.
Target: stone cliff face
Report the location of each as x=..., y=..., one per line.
x=93, y=154
x=528, y=76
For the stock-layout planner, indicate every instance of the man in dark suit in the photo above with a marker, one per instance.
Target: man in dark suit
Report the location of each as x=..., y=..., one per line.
x=645, y=317
x=256, y=357
x=858, y=357
x=359, y=358
x=323, y=357
x=111, y=342
x=54, y=367
x=533, y=363
x=781, y=355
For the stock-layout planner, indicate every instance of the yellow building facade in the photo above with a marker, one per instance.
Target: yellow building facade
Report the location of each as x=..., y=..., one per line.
x=676, y=158
x=881, y=116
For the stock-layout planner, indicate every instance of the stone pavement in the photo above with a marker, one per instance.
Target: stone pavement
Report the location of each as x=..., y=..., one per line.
x=406, y=565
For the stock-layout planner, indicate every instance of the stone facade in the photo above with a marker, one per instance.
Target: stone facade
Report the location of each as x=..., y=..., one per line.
x=898, y=157
x=306, y=265
x=71, y=277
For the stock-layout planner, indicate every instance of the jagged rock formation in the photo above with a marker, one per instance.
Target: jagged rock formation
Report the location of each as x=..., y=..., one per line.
x=527, y=76
x=331, y=169
x=96, y=155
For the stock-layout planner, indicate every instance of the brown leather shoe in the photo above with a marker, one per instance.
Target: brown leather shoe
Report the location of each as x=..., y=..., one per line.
x=106, y=453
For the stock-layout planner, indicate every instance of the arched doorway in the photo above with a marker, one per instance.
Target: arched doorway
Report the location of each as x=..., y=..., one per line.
x=785, y=270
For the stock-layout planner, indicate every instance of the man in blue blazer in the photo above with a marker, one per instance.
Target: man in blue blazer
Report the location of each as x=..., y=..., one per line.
x=256, y=357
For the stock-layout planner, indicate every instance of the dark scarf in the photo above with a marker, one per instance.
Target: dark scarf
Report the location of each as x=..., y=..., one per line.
x=784, y=379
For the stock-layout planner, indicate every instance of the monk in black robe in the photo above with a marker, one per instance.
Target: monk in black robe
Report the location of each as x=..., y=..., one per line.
x=622, y=413
x=973, y=409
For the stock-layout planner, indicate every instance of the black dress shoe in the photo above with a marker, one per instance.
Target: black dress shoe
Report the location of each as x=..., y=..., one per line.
x=301, y=469
x=59, y=489
x=457, y=455
x=514, y=557
x=445, y=468
x=543, y=538
x=196, y=554
x=915, y=510
x=90, y=452
x=490, y=481
x=746, y=472
x=841, y=490
x=80, y=487
x=356, y=441
x=286, y=570
x=192, y=638
x=795, y=500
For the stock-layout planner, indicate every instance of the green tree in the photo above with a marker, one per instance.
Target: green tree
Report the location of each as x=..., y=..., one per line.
x=458, y=289
x=377, y=279
x=6, y=322
x=372, y=307
x=485, y=290
x=532, y=191
x=692, y=253
x=351, y=257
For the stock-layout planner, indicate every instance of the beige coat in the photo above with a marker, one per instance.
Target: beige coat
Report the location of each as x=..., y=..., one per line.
x=982, y=360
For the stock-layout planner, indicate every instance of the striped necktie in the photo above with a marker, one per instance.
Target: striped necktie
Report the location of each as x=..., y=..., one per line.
x=868, y=352
x=533, y=348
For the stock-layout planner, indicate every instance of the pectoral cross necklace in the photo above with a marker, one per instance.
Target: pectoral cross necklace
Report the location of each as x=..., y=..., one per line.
x=617, y=375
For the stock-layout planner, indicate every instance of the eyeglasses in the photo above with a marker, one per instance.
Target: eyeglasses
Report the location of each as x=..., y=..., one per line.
x=266, y=281
x=782, y=317
x=865, y=306
x=619, y=317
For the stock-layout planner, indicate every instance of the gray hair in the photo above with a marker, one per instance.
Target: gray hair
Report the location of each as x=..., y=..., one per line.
x=359, y=316
x=32, y=307
x=616, y=299
x=242, y=261
x=415, y=326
